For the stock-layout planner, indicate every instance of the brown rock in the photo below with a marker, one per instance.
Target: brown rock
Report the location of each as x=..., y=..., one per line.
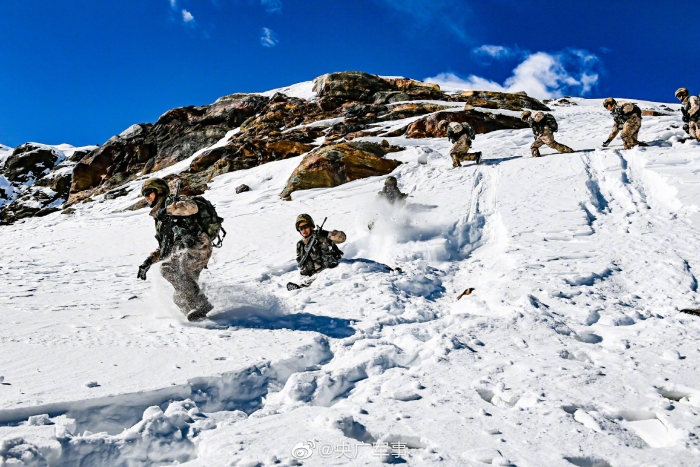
x=335, y=89
x=654, y=113
x=336, y=164
x=242, y=188
x=501, y=100
x=482, y=122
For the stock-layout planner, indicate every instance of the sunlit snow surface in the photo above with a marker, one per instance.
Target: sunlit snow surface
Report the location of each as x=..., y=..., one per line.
x=570, y=350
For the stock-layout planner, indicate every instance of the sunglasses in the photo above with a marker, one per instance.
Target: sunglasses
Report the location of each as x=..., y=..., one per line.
x=303, y=227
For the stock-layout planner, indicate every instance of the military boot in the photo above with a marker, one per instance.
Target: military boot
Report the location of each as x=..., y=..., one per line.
x=564, y=149
x=535, y=152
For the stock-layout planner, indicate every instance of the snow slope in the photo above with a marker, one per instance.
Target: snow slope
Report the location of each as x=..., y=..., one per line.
x=570, y=350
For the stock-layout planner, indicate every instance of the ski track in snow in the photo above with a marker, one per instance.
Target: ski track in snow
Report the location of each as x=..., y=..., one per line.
x=571, y=340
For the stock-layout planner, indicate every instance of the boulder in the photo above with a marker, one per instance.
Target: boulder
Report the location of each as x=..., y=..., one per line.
x=399, y=111
x=482, y=122
x=29, y=162
x=242, y=189
x=500, y=100
x=335, y=89
x=417, y=89
x=389, y=97
x=336, y=164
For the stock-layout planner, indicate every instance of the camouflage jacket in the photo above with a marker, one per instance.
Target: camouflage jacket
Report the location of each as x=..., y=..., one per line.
x=691, y=109
x=324, y=254
x=392, y=194
x=547, y=121
x=180, y=229
x=456, y=130
x=623, y=112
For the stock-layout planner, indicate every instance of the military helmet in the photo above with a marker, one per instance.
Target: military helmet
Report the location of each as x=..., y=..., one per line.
x=609, y=101
x=525, y=115
x=391, y=181
x=681, y=92
x=442, y=125
x=156, y=185
x=301, y=218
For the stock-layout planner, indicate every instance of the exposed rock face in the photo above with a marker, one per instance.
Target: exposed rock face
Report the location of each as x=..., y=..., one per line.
x=501, y=100
x=29, y=162
x=143, y=148
x=337, y=164
x=654, y=113
x=482, y=122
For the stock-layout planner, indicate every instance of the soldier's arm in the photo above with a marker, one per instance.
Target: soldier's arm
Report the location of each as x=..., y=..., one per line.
x=337, y=236
x=184, y=207
x=614, y=132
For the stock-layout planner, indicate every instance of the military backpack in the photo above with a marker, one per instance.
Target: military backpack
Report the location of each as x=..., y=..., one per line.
x=209, y=221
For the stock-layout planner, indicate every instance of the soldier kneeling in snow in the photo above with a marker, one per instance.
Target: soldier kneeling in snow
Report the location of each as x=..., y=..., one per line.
x=184, y=245
x=543, y=126
x=690, y=106
x=461, y=135
x=317, y=249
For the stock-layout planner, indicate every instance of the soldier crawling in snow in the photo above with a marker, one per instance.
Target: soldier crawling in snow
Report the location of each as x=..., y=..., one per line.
x=690, y=106
x=390, y=192
x=628, y=121
x=184, y=244
x=461, y=135
x=323, y=252
x=543, y=126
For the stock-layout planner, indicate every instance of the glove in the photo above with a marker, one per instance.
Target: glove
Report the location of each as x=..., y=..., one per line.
x=686, y=128
x=143, y=269
x=606, y=144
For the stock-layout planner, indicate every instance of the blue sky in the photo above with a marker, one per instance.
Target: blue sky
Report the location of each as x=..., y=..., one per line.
x=81, y=71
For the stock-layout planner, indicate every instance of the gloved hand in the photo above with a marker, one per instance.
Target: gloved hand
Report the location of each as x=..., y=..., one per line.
x=606, y=144
x=143, y=269
x=686, y=128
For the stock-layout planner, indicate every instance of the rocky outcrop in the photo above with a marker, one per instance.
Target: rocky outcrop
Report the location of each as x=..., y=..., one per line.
x=500, y=100
x=144, y=148
x=29, y=162
x=482, y=122
x=341, y=163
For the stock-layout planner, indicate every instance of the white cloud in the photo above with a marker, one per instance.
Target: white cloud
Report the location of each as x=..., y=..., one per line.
x=494, y=51
x=541, y=75
x=173, y=4
x=272, y=6
x=187, y=17
x=268, y=38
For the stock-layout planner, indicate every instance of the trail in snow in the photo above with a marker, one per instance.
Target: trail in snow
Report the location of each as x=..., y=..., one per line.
x=570, y=350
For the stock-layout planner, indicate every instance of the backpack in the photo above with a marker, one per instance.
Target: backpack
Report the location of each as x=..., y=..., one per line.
x=551, y=122
x=209, y=221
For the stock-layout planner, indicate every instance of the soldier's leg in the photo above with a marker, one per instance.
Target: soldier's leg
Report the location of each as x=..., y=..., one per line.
x=171, y=272
x=630, y=130
x=460, y=150
x=535, y=148
x=194, y=262
x=694, y=130
x=548, y=138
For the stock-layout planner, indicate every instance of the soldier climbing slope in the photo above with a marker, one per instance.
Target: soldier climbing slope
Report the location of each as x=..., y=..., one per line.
x=690, y=106
x=390, y=192
x=628, y=121
x=185, y=228
x=461, y=135
x=317, y=249
x=543, y=126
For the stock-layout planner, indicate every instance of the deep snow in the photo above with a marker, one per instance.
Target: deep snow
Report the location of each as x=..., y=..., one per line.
x=570, y=351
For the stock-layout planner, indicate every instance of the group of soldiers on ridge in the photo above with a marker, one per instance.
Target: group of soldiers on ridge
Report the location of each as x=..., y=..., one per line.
x=187, y=228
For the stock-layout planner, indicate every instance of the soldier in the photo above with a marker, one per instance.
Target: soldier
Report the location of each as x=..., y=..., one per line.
x=628, y=118
x=323, y=252
x=461, y=135
x=690, y=106
x=391, y=191
x=543, y=126
x=184, y=248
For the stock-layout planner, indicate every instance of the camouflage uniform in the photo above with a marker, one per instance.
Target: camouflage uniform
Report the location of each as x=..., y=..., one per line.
x=190, y=253
x=462, y=135
x=324, y=254
x=391, y=192
x=691, y=115
x=628, y=121
x=543, y=127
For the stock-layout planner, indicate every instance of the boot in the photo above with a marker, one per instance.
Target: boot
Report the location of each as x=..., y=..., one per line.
x=200, y=310
x=535, y=152
x=565, y=149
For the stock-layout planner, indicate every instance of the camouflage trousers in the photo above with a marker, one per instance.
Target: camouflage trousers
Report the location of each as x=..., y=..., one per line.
x=547, y=137
x=630, y=131
x=694, y=130
x=182, y=270
x=460, y=151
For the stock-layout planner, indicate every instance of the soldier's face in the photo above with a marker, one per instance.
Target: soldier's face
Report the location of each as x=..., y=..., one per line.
x=151, y=197
x=609, y=106
x=305, y=230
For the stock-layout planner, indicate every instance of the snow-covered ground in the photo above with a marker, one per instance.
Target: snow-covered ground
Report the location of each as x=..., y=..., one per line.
x=570, y=351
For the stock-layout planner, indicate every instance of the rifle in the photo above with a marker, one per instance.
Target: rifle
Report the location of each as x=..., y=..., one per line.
x=168, y=241
x=310, y=245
